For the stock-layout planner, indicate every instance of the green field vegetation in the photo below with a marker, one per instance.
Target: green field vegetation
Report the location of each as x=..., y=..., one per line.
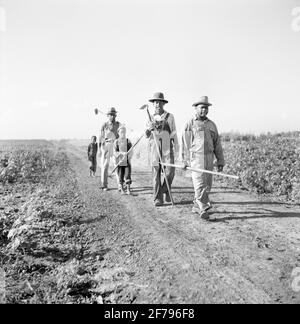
x=267, y=164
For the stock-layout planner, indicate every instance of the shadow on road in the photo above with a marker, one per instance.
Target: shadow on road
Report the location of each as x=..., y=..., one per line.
x=254, y=203
x=141, y=189
x=184, y=203
x=255, y=215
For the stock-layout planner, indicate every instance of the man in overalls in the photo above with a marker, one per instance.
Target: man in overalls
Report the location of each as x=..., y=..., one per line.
x=109, y=133
x=163, y=126
x=200, y=144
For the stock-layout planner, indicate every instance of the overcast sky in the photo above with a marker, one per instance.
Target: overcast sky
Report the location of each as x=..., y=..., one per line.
x=62, y=58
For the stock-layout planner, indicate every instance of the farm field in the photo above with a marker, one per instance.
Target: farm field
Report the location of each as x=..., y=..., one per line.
x=267, y=164
x=62, y=240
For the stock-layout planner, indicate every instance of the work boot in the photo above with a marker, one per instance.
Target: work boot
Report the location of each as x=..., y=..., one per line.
x=121, y=189
x=201, y=209
x=196, y=209
x=203, y=213
x=128, y=192
x=158, y=202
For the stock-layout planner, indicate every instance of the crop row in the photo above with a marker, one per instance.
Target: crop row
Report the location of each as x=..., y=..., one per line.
x=266, y=164
x=24, y=165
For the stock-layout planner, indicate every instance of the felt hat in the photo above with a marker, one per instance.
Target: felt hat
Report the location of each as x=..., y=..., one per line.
x=112, y=111
x=158, y=96
x=203, y=101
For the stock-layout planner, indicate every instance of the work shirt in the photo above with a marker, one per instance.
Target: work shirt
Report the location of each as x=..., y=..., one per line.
x=92, y=149
x=201, y=137
x=167, y=140
x=109, y=132
x=122, y=146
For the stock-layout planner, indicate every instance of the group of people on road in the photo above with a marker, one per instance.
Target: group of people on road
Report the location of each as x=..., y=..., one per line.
x=200, y=144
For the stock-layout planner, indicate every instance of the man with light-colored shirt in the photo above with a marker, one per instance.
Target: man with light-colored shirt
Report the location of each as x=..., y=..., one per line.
x=200, y=145
x=108, y=135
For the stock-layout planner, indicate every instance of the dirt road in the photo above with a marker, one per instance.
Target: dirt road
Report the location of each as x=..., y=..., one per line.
x=169, y=255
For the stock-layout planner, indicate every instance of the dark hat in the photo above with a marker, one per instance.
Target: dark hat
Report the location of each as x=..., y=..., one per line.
x=158, y=96
x=203, y=101
x=111, y=111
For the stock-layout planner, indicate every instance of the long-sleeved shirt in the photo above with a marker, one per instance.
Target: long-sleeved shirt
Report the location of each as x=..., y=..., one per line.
x=201, y=136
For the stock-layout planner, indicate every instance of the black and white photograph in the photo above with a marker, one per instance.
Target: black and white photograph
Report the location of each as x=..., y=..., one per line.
x=149, y=154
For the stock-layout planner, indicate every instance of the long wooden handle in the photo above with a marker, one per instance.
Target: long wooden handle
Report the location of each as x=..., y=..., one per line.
x=202, y=171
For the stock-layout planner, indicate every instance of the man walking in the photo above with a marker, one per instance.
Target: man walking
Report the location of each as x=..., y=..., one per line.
x=200, y=144
x=163, y=127
x=109, y=133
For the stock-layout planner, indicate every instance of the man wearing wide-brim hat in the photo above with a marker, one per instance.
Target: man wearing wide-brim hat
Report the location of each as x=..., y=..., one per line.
x=109, y=133
x=163, y=126
x=200, y=145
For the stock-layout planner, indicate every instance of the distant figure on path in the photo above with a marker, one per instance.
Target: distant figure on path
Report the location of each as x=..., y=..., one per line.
x=92, y=155
x=200, y=144
x=164, y=128
x=109, y=133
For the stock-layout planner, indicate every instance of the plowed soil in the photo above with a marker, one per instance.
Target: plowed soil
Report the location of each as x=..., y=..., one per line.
x=246, y=254
x=83, y=245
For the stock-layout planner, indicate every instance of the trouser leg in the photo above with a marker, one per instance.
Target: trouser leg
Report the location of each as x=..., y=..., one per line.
x=93, y=166
x=127, y=174
x=170, y=174
x=201, y=192
x=157, y=188
x=117, y=177
x=202, y=181
x=121, y=173
x=105, y=159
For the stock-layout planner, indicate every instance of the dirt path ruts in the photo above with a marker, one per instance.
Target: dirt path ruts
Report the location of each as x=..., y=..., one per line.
x=246, y=255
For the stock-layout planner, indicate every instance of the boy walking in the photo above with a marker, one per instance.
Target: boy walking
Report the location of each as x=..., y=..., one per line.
x=92, y=155
x=121, y=147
